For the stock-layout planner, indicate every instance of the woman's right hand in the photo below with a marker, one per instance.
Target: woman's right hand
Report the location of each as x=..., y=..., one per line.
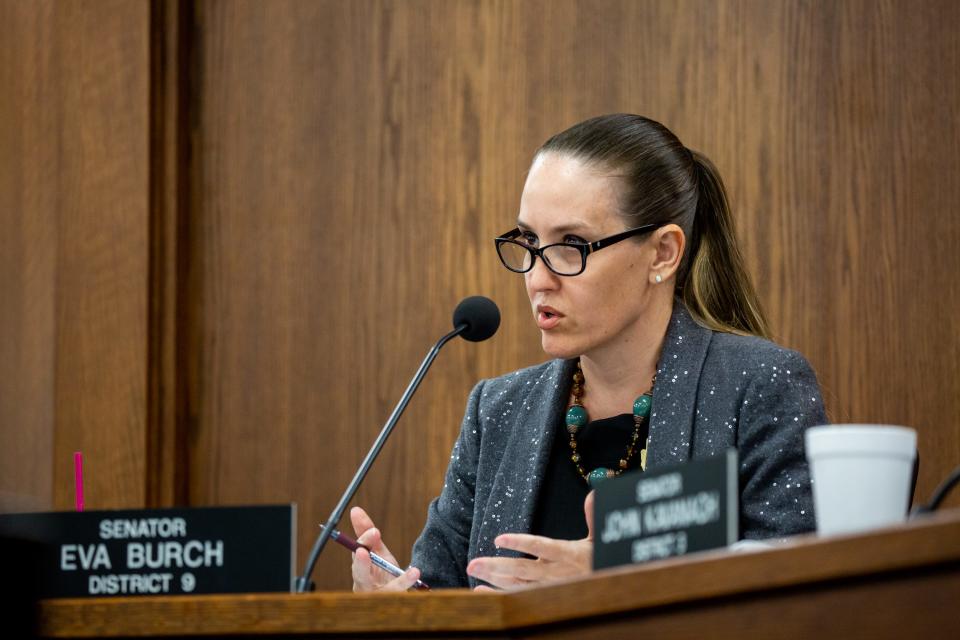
x=366, y=576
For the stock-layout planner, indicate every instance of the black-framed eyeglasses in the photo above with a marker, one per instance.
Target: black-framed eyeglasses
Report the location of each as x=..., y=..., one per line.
x=563, y=258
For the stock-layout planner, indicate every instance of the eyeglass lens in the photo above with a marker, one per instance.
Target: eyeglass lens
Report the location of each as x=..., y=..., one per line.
x=563, y=259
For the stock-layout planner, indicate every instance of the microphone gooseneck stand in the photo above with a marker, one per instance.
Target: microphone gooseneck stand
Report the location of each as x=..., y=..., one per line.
x=304, y=583
x=939, y=494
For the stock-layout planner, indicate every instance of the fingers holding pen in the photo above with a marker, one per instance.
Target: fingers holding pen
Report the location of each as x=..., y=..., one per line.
x=374, y=572
x=369, y=577
x=362, y=571
x=372, y=540
x=403, y=582
x=368, y=534
x=361, y=522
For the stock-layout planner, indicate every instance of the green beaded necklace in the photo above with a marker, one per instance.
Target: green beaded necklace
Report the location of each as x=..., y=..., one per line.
x=577, y=417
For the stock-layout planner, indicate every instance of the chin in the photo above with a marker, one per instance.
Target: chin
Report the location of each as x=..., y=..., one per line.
x=556, y=347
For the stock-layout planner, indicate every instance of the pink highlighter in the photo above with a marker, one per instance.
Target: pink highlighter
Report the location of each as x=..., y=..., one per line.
x=78, y=478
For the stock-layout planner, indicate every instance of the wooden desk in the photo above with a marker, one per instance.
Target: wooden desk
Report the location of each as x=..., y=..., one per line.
x=902, y=582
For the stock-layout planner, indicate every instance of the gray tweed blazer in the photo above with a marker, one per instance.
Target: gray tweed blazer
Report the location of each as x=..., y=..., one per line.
x=714, y=391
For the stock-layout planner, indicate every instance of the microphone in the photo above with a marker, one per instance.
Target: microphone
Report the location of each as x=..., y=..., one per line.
x=480, y=315
x=475, y=319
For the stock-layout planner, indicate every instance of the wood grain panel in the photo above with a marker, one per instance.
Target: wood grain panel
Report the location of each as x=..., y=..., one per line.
x=857, y=609
x=28, y=257
x=74, y=219
x=354, y=160
x=171, y=96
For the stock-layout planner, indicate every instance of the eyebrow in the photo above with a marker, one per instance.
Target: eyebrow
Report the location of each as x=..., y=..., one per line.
x=566, y=228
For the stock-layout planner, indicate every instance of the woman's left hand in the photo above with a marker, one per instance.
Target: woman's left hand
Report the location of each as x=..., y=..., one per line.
x=552, y=559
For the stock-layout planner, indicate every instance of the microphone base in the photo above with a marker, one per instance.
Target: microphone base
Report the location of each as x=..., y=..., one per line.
x=304, y=585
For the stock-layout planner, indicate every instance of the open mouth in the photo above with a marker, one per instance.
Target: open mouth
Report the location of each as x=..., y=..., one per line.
x=547, y=318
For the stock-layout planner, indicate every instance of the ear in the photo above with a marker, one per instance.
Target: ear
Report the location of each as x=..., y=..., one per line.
x=669, y=244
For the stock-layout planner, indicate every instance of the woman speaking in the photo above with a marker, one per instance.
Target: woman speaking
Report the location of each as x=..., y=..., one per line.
x=659, y=349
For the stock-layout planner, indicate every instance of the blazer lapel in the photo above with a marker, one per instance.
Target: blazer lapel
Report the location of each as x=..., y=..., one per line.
x=672, y=415
x=528, y=451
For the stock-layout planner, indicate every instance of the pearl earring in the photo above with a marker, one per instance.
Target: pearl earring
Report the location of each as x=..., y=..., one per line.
x=658, y=279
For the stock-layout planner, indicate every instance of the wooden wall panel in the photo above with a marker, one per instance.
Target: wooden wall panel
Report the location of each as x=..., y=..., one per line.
x=171, y=78
x=73, y=214
x=28, y=162
x=354, y=161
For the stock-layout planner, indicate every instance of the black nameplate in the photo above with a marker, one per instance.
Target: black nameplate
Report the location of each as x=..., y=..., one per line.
x=671, y=511
x=161, y=551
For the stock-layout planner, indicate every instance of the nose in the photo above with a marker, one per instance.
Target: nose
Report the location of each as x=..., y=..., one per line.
x=540, y=278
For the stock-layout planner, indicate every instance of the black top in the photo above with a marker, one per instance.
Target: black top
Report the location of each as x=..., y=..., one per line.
x=601, y=443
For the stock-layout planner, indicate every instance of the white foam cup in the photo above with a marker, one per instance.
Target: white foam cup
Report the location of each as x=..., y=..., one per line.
x=862, y=475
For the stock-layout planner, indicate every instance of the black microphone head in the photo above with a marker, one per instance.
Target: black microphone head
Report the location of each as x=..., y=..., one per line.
x=481, y=316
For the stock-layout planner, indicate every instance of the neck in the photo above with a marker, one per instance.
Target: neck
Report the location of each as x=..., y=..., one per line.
x=615, y=374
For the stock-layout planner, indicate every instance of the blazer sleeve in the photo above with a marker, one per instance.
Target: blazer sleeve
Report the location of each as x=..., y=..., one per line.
x=440, y=552
x=781, y=402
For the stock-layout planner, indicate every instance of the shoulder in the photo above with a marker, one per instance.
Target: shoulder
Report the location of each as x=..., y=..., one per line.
x=767, y=380
x=756, y=371
x=520, y=399
x=752, y=355
x=722, y=357
x=541, y=378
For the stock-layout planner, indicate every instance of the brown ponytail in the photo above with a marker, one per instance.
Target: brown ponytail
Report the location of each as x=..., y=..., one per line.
x=717, y=287
x=667, y=183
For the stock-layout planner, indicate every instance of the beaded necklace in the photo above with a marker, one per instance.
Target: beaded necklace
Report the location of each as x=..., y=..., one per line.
x=577, y=417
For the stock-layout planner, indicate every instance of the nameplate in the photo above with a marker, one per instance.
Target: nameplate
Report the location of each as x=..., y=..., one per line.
x=161, y=551
x=639, y=517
